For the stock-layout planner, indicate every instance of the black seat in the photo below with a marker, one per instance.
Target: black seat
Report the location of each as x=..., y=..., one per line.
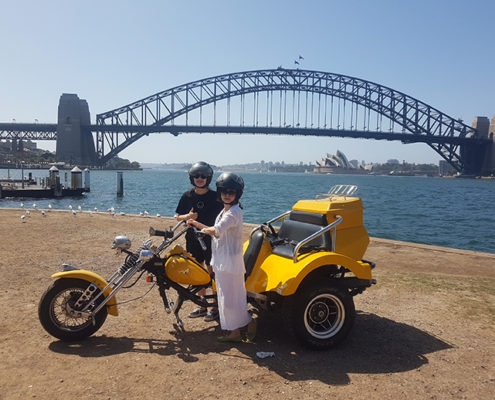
x=252, y=251
x=298, y=226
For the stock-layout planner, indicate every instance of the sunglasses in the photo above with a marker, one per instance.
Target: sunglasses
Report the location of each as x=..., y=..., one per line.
x=200, y=176
x=229, y=192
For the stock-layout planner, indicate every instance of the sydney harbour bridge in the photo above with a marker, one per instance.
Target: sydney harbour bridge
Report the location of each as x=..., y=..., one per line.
x=270, y=102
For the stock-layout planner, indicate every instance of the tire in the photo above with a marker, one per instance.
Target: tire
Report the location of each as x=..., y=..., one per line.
x=55, y=318
x=322, y=316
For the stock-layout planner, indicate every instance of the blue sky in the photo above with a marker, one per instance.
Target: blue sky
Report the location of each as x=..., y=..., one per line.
x=112, y=53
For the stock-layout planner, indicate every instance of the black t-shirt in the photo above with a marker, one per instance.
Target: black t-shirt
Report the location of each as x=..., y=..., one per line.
x=206, y=205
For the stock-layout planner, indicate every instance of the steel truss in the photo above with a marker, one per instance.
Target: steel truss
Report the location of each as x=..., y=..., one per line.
x=413, y=116
x=28, y=131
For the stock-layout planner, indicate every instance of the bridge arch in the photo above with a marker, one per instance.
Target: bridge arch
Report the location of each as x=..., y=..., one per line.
x=414, y=117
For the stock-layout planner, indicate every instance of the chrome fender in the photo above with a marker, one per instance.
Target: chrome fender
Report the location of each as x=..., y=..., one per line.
x=96, y=280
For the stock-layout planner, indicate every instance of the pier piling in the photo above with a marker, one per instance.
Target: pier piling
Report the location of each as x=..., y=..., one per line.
x=120, y=184
x=87, y=184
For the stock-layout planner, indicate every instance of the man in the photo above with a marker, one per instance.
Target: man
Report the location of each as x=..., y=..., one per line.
x=201, y=204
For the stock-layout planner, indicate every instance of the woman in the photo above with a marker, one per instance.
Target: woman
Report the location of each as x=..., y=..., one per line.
x=227, y=260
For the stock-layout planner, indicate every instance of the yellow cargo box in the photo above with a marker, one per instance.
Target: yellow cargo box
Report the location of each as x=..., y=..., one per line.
x=349, y=208
x=352, y=237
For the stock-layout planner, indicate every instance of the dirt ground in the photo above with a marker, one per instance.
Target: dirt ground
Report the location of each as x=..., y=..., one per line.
x=425, y=331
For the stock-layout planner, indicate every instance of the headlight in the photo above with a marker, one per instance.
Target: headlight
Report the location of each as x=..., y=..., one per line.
x=121, y=243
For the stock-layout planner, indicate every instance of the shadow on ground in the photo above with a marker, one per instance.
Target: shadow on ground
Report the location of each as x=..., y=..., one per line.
x=376, y=345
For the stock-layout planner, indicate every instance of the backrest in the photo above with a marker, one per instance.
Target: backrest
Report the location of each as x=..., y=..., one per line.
x=317, y=219
x=252, y=251
x=309, y=218
x=295, y=231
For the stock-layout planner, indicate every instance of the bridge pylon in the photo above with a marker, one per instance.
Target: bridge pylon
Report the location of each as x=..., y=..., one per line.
x=480, y=159
x=489, y=164
x=75, y=143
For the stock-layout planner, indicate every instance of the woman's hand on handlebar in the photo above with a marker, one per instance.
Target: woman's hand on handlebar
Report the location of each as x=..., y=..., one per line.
x=207, y=230
x=192, y=223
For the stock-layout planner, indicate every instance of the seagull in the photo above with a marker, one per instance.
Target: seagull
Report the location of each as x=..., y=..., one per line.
x=111, y=209
x=22, y=205
x=96, y=209
x=70, y=206
x=79, y=208
x=43, y=213
x=74, y=213
x=122, y=213
x=28, y=213
x=141, y=213
x=146, y=213
x=158, y=215
x=50, y=206
x=23, y=218
x=34, y=205
x=90, y=213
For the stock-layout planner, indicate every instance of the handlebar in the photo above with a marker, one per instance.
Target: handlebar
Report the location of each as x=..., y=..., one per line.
x=165, y=234
x=172, y=235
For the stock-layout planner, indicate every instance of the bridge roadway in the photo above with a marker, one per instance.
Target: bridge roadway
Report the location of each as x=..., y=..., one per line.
x=36, y=131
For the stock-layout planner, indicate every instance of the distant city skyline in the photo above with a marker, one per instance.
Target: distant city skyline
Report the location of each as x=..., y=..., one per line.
x=438, y=52
x=37, y=145
x=282, y=163
x=311, y=162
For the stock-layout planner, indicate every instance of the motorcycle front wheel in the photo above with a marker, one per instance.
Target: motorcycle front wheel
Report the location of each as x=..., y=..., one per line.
x=55, y=307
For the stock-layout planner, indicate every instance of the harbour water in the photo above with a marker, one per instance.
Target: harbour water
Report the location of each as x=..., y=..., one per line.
x=456, y=213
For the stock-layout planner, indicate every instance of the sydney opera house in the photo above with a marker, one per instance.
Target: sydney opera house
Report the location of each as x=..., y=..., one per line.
x=338, y=164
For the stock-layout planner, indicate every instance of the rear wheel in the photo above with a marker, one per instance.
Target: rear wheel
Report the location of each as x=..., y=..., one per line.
x=57, y=310
x=322, y=316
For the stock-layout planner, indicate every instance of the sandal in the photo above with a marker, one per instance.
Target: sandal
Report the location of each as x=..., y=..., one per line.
x=230, y=339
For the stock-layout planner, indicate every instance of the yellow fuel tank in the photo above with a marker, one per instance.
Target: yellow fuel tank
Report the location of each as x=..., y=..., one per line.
x=182, y=268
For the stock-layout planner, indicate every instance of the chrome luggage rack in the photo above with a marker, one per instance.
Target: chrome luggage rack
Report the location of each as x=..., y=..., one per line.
x=339, y=190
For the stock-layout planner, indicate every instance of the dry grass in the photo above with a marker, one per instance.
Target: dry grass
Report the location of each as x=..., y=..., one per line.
x=472, y=298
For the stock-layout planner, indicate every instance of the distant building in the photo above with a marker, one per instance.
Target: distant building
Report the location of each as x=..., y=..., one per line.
x=338, y=164
x=18, y=145
x=5, y=145
x=29, y=144
x=393, y=161
x=445, y=169
x=334, y=160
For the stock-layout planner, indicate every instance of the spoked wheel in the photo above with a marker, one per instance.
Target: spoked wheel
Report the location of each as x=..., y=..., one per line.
x=57, y=310
x=323, y=316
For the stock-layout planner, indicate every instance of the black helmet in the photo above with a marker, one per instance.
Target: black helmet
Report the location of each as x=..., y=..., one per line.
x=228, y=180
x=201, y=168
